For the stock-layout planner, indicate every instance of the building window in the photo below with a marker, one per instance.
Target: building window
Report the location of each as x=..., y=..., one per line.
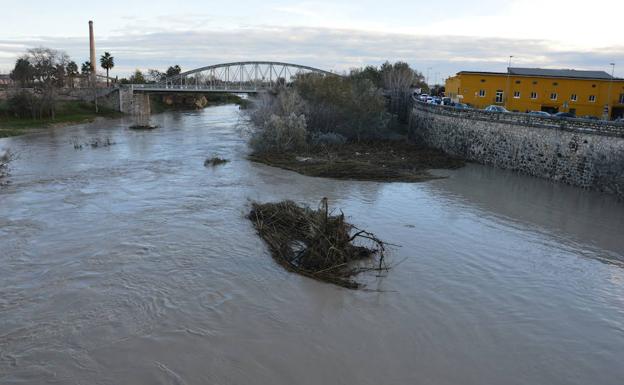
x=553, y=96
x=621, y=101
x=517, y=81
x=555, y=84
x=593, y=86
x=592, y=98
x=481, y=93
x=534, y=82
x=482, y=80
x=517, y=94
x=573, y=98
x=533, y=95
x=499, y=96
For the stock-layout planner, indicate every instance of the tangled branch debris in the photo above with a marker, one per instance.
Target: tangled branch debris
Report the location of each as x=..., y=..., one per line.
x=93, y=143
x=215, y=161
x=317, y=244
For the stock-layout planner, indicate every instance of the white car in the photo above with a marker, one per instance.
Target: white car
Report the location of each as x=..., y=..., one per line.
x=494, y=108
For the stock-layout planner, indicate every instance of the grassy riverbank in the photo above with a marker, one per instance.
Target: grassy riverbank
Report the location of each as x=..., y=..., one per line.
x=68, y=112
x=389, y=161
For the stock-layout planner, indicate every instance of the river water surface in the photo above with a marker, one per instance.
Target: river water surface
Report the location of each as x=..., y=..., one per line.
x=134, y=264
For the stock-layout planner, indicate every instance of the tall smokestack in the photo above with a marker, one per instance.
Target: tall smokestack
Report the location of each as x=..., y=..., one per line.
x=92, y=47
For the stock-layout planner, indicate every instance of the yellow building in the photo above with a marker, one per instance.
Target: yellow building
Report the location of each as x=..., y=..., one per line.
x=583, y=93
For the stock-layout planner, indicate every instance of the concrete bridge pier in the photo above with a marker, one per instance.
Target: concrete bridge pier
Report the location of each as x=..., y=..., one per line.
x=141, y=109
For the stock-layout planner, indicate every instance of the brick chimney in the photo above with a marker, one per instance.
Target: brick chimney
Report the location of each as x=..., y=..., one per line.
x=92, y=48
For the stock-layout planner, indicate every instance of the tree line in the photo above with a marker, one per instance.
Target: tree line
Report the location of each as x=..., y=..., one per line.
x=152, y=75
x=367, y=104
x=49, y=67
x=44, y=71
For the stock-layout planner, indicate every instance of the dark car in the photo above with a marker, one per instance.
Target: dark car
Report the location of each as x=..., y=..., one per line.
x=539, y=113
x=461, y=106
x=564, y=115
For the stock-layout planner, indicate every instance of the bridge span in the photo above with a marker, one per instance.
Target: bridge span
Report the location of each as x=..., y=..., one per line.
x=235, y=77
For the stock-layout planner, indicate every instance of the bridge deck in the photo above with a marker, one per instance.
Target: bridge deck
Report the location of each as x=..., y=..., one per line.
x=193, y=89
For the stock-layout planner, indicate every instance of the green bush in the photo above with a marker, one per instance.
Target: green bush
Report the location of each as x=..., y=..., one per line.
x=280, y=133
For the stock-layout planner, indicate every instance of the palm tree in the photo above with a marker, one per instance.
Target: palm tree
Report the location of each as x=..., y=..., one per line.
x=85, y=68
x=107, y=62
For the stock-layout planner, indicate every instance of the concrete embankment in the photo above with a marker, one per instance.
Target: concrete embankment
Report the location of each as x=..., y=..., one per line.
x=581, y=153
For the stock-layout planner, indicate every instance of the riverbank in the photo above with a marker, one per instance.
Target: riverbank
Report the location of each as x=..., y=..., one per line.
x=389, y=161
x=68, y=112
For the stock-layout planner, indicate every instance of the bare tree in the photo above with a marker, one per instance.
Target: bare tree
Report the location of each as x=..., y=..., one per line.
x=398, y=80
x=154, y=76
x=49, y=69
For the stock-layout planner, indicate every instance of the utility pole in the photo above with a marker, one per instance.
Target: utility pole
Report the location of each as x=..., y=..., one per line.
x=508, y=83
x=427, y=80
x=608, y=107
x=93, y=66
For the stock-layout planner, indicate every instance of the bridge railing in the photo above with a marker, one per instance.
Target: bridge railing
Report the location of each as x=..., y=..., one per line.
x=200, y=87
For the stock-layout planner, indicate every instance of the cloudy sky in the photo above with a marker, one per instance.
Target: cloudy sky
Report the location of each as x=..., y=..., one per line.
x=438, y=37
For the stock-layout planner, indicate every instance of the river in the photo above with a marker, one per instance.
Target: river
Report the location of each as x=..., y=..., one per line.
x=134, y=264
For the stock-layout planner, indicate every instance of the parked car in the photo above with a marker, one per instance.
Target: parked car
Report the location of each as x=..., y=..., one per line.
x=591, y=117
x=423, y=97
x=619, y=120
x=494, y=108
x=565, y=115
x=539, y=113
x=461, y=106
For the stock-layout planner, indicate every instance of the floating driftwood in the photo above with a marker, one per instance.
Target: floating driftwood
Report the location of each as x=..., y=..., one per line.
x=138, y=127
x=93, y=143
x=215, y=161
x=317, y=244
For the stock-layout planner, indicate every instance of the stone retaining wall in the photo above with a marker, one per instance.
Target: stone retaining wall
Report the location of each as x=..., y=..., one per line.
x=581, y=155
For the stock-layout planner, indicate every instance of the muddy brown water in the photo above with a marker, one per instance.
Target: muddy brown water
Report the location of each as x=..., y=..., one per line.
x=134, y=264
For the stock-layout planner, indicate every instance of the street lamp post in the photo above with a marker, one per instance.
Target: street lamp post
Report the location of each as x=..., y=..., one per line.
x=508, y=81
x=427, y=80
x=609, y=104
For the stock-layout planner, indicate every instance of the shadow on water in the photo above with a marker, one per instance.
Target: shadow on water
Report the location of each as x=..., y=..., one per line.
x=571, y=213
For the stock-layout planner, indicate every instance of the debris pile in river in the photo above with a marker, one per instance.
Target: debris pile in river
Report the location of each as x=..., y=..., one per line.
x=139, y=127
x=215, y=161
x=317, y=244
x=93, y=143
x=5, y=158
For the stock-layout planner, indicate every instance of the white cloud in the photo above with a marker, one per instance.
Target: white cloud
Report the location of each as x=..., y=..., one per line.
x=327, y=48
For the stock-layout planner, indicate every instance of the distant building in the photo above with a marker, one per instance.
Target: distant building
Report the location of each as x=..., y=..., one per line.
x=584, y=93
x=5, y=81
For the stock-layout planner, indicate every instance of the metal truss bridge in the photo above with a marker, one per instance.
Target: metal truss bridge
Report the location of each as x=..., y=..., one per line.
x=237, y=77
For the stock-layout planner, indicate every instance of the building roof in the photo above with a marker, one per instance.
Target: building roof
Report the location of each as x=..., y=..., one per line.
x=550, y=73
x=559, y=73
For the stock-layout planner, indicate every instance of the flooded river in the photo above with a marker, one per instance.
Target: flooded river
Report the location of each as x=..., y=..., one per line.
x=134, y=264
